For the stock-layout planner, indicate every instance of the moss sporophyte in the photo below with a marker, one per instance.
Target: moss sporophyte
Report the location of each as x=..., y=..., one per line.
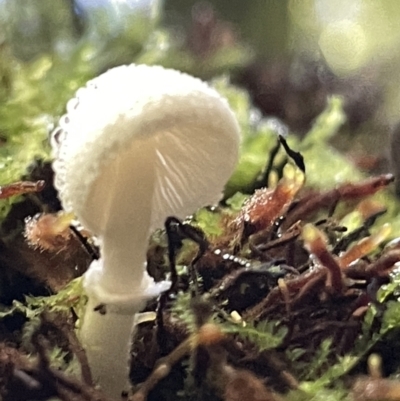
x=138, y=144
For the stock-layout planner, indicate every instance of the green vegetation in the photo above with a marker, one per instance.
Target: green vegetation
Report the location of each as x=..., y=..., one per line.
x=33, y=94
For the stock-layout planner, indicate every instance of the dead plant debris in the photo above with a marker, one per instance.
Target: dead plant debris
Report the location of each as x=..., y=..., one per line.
x=289, y=293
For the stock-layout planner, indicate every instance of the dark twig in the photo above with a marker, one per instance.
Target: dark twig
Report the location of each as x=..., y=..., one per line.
x=89, y=248
x=176, y=232
x=162, y=369
x=297, y=157
x=77, y=349
x=262, y=179
x=52, y=381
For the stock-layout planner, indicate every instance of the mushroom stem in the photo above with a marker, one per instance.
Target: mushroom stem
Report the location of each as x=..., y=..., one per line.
x=107, y=333
x=125, y=228
x=106, y=352
x=120, y=280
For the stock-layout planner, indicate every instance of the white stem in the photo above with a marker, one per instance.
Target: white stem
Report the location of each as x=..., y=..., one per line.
x=106, y=341
x=125, y=218
x=107, y=337
x=119, y=279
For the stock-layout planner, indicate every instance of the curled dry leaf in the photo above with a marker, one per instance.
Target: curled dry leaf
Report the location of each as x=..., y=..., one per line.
x=48, y=231
x=21, y=188
x=266, y=205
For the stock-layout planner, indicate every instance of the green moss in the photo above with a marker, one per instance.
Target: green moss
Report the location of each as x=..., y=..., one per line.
x=265, y=335
x=33, y=97
x=72, y=296
x=326, y=167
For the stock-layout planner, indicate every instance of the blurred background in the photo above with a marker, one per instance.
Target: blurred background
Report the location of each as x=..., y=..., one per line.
x=290, y=55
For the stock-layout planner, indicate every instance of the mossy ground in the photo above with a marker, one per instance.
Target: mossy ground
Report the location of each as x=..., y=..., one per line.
x=248, y=301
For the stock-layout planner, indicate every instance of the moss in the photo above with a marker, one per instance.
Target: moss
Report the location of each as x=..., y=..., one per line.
x=32, y=98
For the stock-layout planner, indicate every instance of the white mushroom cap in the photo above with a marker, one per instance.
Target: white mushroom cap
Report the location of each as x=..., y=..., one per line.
x=148, y=115
x=137, y=145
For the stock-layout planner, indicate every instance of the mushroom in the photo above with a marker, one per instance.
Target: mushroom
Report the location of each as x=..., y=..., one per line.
x=138, y=144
